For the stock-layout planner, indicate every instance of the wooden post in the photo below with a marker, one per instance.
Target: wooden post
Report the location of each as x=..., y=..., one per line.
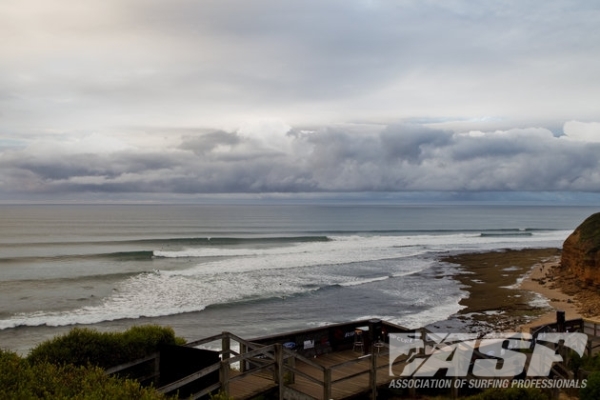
x=243, y=361
x=412, y=392
x=157, y=368
x=224, y=376
x=291, y=362
x=226, y=346
x=424, y=339
x=327, y=384
x=373, y=375
x=279, y=368
x=454, y=389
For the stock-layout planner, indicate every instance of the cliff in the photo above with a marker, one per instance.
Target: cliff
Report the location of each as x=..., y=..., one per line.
x=581, y=251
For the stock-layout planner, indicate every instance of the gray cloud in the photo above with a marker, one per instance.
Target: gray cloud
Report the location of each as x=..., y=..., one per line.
x=331, y=159
x=133, y=62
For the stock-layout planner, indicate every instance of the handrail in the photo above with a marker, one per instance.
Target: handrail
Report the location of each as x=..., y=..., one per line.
x=121, y=367
x=206, y=391
x=250, y=354
x=209, y=339
x=221, y=336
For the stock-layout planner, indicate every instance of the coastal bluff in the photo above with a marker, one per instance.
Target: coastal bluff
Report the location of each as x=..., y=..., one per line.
x=581, y=252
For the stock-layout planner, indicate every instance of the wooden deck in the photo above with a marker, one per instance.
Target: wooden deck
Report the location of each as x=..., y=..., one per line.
x=311, y=371
x=246, y=369
x=251, y=386
x=349, y=376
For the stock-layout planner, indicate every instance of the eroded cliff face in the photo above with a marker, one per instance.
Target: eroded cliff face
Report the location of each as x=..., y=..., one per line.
x=581, y=251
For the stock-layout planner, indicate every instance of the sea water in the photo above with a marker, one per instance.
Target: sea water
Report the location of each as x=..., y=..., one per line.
x=247, y=268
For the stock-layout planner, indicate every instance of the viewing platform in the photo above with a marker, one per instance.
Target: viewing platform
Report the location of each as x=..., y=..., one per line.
x=339, y=361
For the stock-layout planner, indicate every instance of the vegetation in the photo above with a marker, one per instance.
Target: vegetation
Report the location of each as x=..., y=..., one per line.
x=589, y=231
x=72, y=366
x=20, y=379
x=592, y=389
x=588, y=363
x=82, y=347
x=510, y=394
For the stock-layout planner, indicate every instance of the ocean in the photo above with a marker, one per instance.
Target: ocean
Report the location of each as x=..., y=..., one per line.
x=249, y=269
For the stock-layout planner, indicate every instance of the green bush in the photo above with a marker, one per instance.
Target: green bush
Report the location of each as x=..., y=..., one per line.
x=82, y=346
x=590, y=363
x=22, y=380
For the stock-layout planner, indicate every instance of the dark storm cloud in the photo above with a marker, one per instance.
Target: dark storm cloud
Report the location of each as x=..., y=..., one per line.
x=411, y=143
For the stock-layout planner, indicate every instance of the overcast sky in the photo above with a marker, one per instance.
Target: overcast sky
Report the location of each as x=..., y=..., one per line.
x=147, y=98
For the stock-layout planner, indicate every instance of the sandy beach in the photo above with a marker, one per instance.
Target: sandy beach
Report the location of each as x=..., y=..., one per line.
x=542, y=280
x=514, y=290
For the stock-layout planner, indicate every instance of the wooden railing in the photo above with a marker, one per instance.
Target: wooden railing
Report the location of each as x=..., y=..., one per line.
x=280, y=364
x=252, y=359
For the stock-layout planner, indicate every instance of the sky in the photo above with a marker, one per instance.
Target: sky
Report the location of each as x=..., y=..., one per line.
x=149, y=100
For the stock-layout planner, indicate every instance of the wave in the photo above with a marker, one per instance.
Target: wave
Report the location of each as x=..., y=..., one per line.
x=183, y=241
x=506, y=234
x=171, y=295
x=365, y=281
x=151, y=247
x=116, y=256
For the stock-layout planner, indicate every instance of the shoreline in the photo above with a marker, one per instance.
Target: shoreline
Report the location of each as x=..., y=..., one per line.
x=515, y=290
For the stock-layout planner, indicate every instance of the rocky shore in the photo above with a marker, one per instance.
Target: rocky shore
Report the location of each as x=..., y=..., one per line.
x=513, y=290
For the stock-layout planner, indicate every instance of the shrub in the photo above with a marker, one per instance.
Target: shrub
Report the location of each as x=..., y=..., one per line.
x=22, y=380
x=592, y=389
x=590, y=363
x=82, y=346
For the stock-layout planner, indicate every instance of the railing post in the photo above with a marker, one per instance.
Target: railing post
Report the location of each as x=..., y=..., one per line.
x=291, y=362
x=243, y=361
x=327, y=384
x=279, y=368
x=157, y=368
x=224, y=376
x=454, y=389
x=226, y=345
x=373, y=376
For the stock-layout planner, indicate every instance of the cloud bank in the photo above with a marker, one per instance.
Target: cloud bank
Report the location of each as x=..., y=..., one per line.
x=273, y=157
